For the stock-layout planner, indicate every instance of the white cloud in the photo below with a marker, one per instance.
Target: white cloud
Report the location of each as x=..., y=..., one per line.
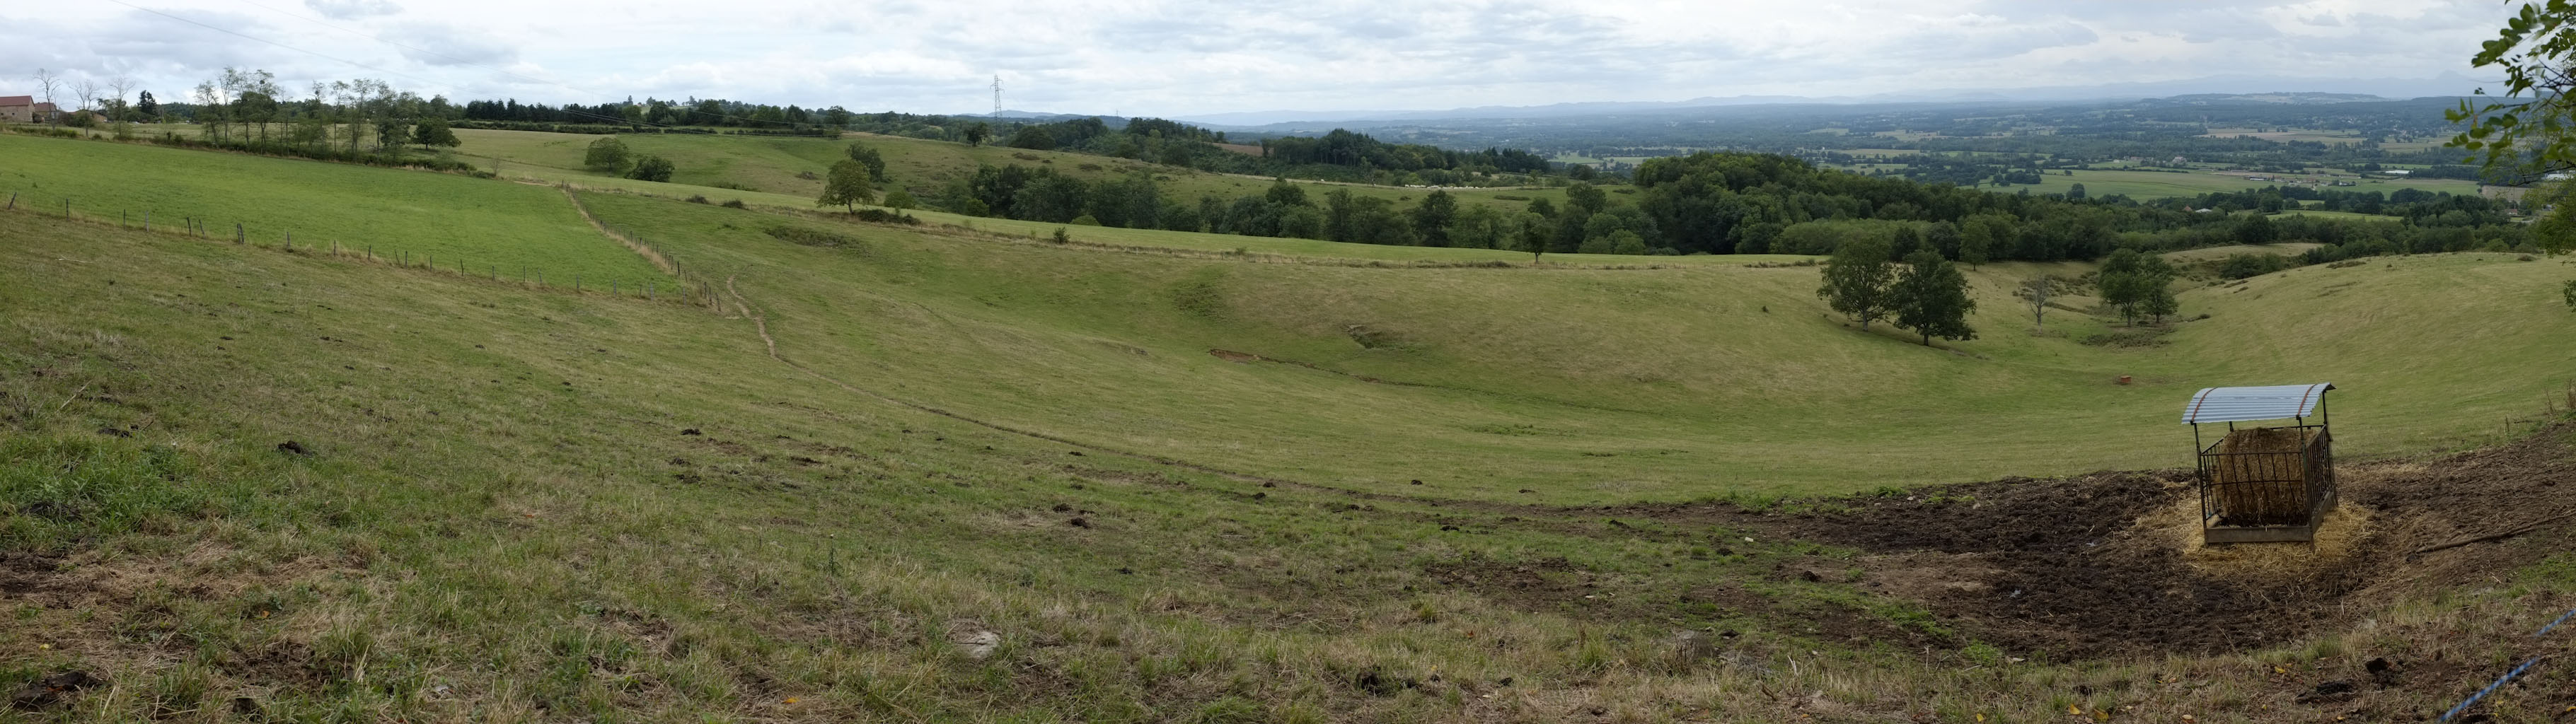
x=1173, y=57
x=352, y=9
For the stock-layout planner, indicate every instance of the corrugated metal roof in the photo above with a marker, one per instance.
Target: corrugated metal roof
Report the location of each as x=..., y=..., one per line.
x=2240, y=404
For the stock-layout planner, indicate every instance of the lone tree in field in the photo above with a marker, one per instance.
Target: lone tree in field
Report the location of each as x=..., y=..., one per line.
x=433, y=131
x=2037, y=292
x=976, y=134
x=847, y=184
x=651, y=168
x=1931, y=298
x=606, y=154
x=1858, y=280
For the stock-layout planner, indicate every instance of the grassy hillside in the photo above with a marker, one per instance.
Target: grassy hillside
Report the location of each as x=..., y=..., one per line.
x=923, y=473
x=1576, y=385
x=511, y=505
x=512, y=230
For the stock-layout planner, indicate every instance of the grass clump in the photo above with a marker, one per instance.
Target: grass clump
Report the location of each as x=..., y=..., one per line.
x=59, y=489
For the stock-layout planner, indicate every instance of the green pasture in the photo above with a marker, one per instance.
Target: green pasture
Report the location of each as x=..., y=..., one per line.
x=2339, y=215
x=492, y=227
x=775, y=165
x=928, y=473
x=2212, y=253
x=1677, y=383
x=2143, y=185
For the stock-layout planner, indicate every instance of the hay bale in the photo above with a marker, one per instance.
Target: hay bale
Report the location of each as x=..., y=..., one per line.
x=2260, y=476
x=2345, y=533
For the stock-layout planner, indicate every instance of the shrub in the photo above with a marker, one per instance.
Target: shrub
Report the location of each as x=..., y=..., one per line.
x=734, y=204
x=2125, y=338
x=651, y=168
x=2240, y=266
x=697, y=199
x=882, y=216
x=809, y=237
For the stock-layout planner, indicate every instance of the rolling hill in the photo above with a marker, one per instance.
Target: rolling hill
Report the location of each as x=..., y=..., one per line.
x=916, y=472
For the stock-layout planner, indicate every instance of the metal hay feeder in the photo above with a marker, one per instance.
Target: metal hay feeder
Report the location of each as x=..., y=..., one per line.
x=2260, y=484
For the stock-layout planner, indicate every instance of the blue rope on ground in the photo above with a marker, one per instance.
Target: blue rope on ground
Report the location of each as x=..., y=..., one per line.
x=2509, y=675
x=2562, y=618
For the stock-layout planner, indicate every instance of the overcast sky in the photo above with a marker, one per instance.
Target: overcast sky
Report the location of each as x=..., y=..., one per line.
x=1174, y=58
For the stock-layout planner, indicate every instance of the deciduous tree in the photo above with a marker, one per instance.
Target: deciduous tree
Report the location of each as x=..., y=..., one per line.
x=1858, y=280
x=2036, y=291
x=1586, y=198
x=1432, y=217
x=1033, y=138
x=2256, y=229
x=47, y=83
x=2531, y=129
x=869, y=157
x=2136, y=283
x=606, y=154
x=1931, y=298
x=432, y=132
x=848, y=184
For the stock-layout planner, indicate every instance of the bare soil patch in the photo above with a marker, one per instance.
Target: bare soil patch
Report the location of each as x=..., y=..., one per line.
x=2110, y=562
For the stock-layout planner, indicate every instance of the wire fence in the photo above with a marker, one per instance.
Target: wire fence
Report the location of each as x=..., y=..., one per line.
x=685, y=288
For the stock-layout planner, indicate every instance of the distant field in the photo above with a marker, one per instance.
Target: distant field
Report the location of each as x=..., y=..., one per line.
x=494, y=227
x=2343, y=215
x=775, y=165
x=2329, y=137
x=2222, y=252
x=2143, y=185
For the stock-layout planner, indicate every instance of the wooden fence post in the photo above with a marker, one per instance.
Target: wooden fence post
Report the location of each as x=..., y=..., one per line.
x=13, y=201
x=240, y=236
x=147, y=220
